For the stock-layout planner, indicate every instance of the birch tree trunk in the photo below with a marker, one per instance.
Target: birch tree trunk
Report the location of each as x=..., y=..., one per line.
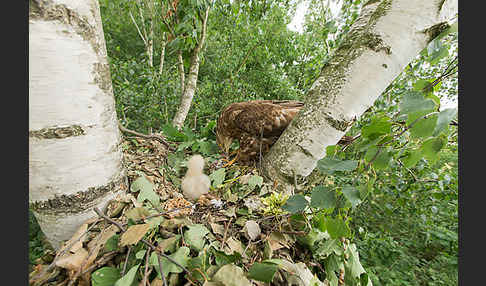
x=191, y=81
x=75, y=162
x=385, y=38
x=163, y=43
x=180, y=66
x=150, y=39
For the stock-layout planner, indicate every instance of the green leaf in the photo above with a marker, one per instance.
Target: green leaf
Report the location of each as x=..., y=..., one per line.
x=181, y=256
x=184, y=145
x=231, y=275
x=141, y=183
x=201, y=263
x=378, y=126
x=217, y=177
x=112, y=243
x=140, y=254
x=155, y=221
x=128, y=278
x=312, y=237
x=223, y=258
x=206, y=148
x=194, y=236
x=423, y=85
x=170, y=131
x=262, y=271
x=438, y=55
x=330, y=165
x=295, y=204
x=146, y=189
x=412, y=158
x=255, y=181
x=329, y=247
x=353, y=266
x=106, y=276
x=323, y=198
x=424, y=127
x=337, y=228
x=331, y=150
x=352, y=194
x=445, y=117
x=414, y=102
x=431, y=147
x=382, y=160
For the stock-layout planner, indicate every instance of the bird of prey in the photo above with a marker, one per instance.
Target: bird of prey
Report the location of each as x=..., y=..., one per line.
x=256, y=124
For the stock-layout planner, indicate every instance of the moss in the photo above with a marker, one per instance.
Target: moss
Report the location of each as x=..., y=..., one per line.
x=102, y=77
x=325, y=90
x=436, y=30
x=58, y=132
x=78, y=202
x=341, y=125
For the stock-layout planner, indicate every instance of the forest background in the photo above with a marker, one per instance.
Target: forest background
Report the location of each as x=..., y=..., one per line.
x=404, y=222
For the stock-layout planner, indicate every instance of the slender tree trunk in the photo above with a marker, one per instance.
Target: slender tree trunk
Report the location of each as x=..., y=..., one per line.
x=180, y=66
x=75, y=162
x=163, y=43
x=150, y=40
x=191, y=84
x=386, y=37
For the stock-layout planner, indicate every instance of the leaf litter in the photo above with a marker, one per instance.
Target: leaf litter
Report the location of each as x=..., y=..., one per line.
x=231, y=242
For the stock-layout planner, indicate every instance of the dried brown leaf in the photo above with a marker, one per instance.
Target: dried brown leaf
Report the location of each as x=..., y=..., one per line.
x=234, y=245
x=133, y=234
x=217, y=228
x=73, y=261
x=277, y=240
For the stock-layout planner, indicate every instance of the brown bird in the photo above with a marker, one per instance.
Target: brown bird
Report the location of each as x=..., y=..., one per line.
x=256, y=124
x=195, y=183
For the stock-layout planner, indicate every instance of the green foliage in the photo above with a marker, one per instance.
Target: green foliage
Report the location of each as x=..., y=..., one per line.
x=262, y=271
x=393, y=191
x=36, y=238
x=105, y=276
x=295, y=204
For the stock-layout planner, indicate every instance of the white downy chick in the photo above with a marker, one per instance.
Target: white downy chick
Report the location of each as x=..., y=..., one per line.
x=195, y=183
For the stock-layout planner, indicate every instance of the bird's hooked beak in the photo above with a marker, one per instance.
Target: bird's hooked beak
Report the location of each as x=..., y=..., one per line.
x=224, y=143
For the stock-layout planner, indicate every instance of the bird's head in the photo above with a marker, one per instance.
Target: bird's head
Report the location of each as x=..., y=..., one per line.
x=224, y=142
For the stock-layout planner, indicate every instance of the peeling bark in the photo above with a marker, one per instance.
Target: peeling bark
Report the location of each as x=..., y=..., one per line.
x=385, y=38
x=191, y=82
x=75, y=162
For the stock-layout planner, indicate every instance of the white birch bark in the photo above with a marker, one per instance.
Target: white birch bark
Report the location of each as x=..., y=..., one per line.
x=75, y=162
x=150, y=40
x=191, y=81
x=385, y=38
x=180, y=66
x=163, y=43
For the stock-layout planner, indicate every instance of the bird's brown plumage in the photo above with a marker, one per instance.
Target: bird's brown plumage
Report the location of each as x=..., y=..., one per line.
x=255, y=124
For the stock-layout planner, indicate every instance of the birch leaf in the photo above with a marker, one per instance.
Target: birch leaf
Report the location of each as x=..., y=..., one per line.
x=133, y=234
x=194, y=236
x=252, y=229
x=231, y=275
x=128, y=278
x=262, y=271
x=73, y=261
x=105, y=276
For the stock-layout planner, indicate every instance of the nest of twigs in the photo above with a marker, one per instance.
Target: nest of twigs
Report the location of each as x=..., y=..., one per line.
x=132, y=243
